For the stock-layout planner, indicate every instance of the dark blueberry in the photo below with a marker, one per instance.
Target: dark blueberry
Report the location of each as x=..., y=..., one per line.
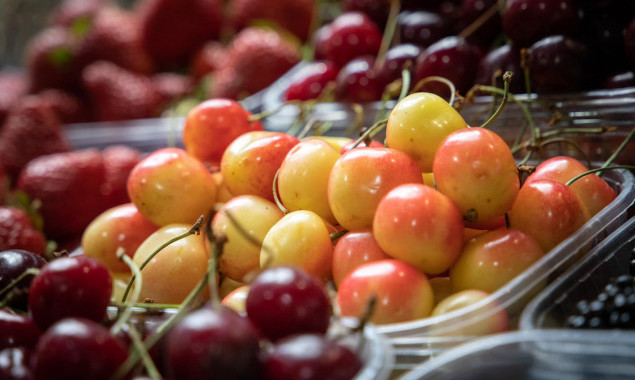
x=624, y=280
x=576, y=321
x=583, y=307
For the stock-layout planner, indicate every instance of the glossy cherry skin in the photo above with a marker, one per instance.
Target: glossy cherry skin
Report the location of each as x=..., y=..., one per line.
x=357, y=81
x=559, y=64
x=286, y=300
x=354, y=249
x=310, y=357
x=496, y=63
x=309, y=82
x=470, y=11
x=451, y=58
x=351, y=35
x=213, y=343
x=13, y=263
x=376, y=10
x=620, y=80
x=422, y=28
x=77, y=286
x=14, y=364
x=77, y=349
x=397, y=59
x=17, y=330
x=527, y=21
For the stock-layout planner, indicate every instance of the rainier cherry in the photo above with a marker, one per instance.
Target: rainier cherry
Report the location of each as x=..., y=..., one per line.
x=492, y=318
x=354, y=249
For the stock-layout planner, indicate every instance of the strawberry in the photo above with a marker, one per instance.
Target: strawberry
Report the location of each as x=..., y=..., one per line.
x=173, y=30
x=17, y=232
x=118, y=162
x=209, y=58
x=255, y=59
x=172, y=86
x=113, y=35
x=67, y=107
x=119, y=94
x=31, y=130
x=68, y=187
x=71, y=13
x=292, y=15
x=13, y=86
x=50, y=60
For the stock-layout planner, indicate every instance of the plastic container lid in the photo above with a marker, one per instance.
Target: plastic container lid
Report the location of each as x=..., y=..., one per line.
x=537, y=354
x=585, y=280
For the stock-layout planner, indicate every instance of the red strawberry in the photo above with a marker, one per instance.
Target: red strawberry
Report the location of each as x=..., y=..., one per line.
x=209, y=58
x=292, y=15
x=13, y=86
x=67, y=107
x=71, y=12
x=118, y=161
x=50, y=57
x=17, y=232
x=114, y=35
x=31, y=130
x=172, y=86
x=68, y=185
x=119, y=94
x=173, y=30
x=258, y=57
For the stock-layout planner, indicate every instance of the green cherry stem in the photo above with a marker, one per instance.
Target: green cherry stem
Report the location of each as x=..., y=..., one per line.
x=184, y=308
x=374, y=129
x=619, y=149
x=336, y=235
x=598, y=130
x=443, y=80
x=276, y=194
x=507, y=78
x=389, y=32
x=405, y=84
x=196, y=228
x=572, y=180
x=125, y=315
x=267, y=113
x=149, y=365
x=28, y=272
x=577, y=147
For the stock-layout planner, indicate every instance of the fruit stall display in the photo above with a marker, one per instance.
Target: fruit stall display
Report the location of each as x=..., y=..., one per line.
x=346, y=216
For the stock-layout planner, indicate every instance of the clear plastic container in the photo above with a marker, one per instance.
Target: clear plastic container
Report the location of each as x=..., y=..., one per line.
x=585, y=280
x=416, y=341
x=601, y=108
x=536, y=355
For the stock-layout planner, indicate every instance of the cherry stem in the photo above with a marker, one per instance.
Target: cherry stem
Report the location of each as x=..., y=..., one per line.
x=149, y=365
x=524, y=64
x=127, y=312
x=196, y=229
x=572, y=180
x=507, y=77
x=374, y=129
x=307, y=128
x=598, y=130
x=214, y=260
x=619, y=150
x=276, y=195
x=507, y=223
x=405, y=83
x=359, y=119
x=482, y=19
x=336, y=235
x=368, y=313
x=264, y=114
x=28, y=272
x=555, y=140
x=443, y=80
x=134, y=357
x=389, y=32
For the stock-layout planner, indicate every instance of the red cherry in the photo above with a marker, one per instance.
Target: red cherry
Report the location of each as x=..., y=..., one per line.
x=527, y=21
x=309, y=82
x=422, y=28
x=352, y=34
x=358, y=82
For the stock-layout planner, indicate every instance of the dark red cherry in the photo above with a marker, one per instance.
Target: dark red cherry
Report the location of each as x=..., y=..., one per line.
x=311, y=357
x=310, y=80
x=558, y=64
x=620, y=80
x=495, y=63
x=13, y=263
x=286, y=300
x=422, y=28
x=77, y=349
x=527, y=21
x=419, y=4
x=376, y=10
x=451, y=58
x=14, y=364
x=396, y=59
x=449, y=10
x=319, y=39
x=629, y=42
x=470, y=11
x=357, y=82
x=76, y=286
x=17, y=330
x=213, y=344
x=352, y=35
x=602, y=29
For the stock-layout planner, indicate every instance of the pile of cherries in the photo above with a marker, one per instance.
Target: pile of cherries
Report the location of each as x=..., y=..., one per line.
x=556, y=43
x=63, y=331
